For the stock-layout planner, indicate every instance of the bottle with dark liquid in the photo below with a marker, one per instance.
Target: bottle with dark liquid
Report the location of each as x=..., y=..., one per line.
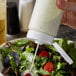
x=13, y=27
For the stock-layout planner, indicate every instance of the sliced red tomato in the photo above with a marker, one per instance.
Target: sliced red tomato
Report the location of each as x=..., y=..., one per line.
x=43, y=54
x=49, y=66
x=28, y=74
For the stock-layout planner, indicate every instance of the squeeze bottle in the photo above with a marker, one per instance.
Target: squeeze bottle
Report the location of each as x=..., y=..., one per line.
x=44, y=22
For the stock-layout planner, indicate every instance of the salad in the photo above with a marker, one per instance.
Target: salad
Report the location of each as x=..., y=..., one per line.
x=17, y=57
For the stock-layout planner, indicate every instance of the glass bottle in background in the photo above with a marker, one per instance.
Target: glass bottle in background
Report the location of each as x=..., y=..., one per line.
x=13, y=27
x=2, y=21
x=25, y=12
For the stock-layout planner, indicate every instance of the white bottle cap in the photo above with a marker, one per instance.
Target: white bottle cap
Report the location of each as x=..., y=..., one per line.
x=39, y=37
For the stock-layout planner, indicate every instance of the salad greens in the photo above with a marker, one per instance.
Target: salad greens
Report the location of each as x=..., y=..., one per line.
x=19, y=55
x=72, y=53
x=21, y=42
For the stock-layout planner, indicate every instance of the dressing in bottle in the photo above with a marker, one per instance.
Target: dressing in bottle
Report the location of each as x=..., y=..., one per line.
x=44, y=22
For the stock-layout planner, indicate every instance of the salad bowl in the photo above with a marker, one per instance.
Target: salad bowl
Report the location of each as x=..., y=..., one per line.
x=16, y=58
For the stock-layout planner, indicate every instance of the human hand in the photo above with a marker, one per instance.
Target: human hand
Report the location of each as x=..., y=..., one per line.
x=69, y=16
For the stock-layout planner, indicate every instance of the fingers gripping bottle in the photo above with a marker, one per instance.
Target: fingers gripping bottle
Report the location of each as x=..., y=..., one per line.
x=44, y=22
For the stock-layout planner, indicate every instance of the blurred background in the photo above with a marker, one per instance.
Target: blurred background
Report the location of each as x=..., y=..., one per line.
x=64, y=31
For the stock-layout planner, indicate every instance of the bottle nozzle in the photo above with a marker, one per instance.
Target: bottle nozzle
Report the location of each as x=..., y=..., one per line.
x=39, y=37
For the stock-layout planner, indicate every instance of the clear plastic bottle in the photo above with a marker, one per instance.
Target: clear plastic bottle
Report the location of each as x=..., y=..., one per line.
x=45, y=21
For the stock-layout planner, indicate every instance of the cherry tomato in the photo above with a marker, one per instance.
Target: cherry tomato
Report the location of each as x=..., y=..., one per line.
x=43, y=54
x=49, y=66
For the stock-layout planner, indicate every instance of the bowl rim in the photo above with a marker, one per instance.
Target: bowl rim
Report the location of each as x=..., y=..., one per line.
x=29, y=39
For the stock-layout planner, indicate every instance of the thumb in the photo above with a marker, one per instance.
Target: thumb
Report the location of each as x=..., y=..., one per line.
x=65, y=5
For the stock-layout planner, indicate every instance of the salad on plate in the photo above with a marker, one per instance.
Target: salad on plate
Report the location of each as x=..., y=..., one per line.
x=17, y=57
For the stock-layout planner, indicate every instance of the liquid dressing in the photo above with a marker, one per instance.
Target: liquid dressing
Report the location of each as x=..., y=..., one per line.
x=34, y=57
x=46, y=16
